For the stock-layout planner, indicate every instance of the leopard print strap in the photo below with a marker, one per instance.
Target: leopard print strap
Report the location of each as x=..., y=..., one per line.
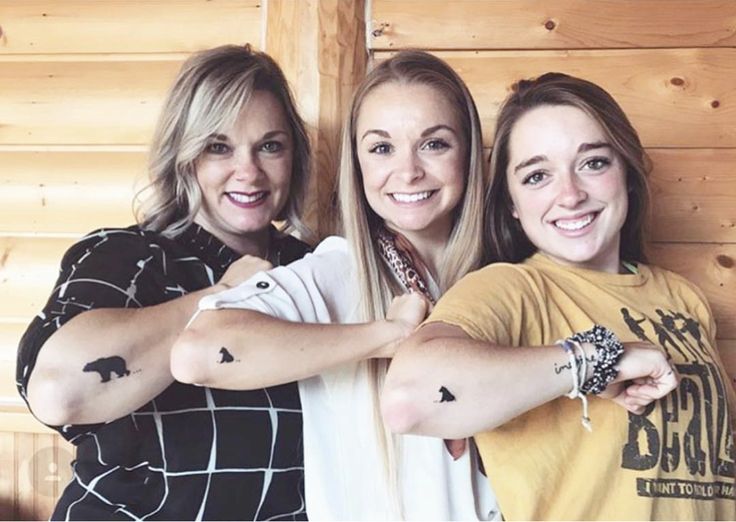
x=400, y=257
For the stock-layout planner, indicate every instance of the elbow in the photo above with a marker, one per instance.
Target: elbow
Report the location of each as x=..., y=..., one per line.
x=52, y=399
x=399, y=410
x=188, y=362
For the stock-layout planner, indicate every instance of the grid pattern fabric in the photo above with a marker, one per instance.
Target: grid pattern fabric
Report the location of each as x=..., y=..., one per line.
x=192, y=452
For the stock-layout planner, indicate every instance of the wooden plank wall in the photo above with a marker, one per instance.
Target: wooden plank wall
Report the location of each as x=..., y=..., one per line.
x=671, y=65
x=81, y=83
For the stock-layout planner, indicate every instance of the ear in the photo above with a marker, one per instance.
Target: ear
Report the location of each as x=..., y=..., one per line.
x=514, y=212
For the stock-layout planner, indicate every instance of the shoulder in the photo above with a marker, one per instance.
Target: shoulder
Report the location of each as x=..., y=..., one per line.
x=109, y=242
x=291, y=248
x=499, y=279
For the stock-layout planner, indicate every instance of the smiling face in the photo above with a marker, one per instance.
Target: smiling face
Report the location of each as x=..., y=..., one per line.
x=568, y=187
x=244, y=173
x=412, y=158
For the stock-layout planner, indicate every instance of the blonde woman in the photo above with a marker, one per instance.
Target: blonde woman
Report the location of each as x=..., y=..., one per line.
x=411, y=186
x=229, y=156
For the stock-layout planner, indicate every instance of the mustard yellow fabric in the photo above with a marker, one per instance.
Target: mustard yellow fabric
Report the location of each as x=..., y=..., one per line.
x=674, y=462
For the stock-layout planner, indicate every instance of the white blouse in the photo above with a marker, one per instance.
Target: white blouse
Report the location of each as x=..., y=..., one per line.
x=344, y=473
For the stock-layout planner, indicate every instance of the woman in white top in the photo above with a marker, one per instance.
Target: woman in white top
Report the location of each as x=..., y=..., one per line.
x=411, y=186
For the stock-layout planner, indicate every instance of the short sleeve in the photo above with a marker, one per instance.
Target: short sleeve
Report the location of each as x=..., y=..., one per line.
x=492, y=304
x=314, y=289
x=117, y=268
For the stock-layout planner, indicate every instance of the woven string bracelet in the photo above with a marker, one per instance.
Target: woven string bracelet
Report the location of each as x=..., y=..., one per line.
x=578, y=375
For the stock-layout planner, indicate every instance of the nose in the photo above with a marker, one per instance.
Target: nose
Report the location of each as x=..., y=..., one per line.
x=409, y=166
x=571, y=192
x=245, y=164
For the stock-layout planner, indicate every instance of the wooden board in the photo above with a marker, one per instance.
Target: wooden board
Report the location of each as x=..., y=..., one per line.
x=82, y=102
x=72, y=192
x=36, y=467
x=541, y=24
x=710, y=266
x=28, y=270
x=92, y=26
x=675, y=98
x=693, y=195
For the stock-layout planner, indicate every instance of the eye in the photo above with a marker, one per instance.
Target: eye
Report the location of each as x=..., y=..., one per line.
x=217, y=147
x=599, y=163
x=534, y=178
x=381, y=148
x=272, y=146
x=435, y=144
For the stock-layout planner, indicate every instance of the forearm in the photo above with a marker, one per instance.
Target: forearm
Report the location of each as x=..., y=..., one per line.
x=454, y=387
x=244, y=349
x=105, y=363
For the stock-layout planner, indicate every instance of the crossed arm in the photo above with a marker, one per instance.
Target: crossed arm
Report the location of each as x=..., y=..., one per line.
x=493, y=384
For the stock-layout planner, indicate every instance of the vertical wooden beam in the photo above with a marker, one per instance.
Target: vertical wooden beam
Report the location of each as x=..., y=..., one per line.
x=320, y=44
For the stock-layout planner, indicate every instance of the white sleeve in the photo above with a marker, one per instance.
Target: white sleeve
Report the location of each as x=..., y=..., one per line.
x=314, y=289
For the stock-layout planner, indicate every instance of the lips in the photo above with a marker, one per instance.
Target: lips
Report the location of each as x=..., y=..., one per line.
x=576, y=223
x=247, y=199
x=411, y=197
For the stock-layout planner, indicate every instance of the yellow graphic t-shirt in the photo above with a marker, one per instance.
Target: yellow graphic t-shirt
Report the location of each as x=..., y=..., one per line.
x=673, y=462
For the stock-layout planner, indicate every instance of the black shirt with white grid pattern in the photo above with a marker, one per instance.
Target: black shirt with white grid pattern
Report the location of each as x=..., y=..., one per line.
x=191, y=453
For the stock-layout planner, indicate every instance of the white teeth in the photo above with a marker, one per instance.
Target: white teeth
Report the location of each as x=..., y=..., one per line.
x=411, y=198
x=245, y=198
x=576, y=224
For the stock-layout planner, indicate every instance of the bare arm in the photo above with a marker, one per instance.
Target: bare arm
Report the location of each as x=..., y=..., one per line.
x=489, y=384
x=105, y=363
x=244, y=349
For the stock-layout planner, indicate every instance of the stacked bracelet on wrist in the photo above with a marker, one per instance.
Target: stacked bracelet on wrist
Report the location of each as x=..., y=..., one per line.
x=608, y=351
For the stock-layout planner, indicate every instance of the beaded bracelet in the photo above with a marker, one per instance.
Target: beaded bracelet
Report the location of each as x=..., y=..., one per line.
x=608, y=350
x=578, y=376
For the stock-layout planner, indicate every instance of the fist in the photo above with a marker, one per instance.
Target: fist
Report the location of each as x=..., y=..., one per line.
x=243, y=269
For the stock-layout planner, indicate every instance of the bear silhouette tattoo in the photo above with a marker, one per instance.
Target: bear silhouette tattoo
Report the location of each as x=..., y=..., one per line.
x=447, y=395
x=227, y=357
x=105, y=366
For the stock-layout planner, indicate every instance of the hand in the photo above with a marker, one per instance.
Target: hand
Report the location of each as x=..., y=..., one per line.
x=404, y=313
x=242, y=270
x=645, y=375
x=409, y=309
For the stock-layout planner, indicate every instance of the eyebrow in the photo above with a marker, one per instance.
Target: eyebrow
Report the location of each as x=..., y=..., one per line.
x=584, y=147
x=267, y=136
x=531, y=161
x=425, y=133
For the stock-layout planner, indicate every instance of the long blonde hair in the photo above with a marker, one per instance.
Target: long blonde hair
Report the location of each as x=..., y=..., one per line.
x=206, y=98
x=463, y=252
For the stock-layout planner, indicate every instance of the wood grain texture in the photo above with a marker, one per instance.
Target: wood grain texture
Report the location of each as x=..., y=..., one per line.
x=91, y=26
x=323, y=70
x=674, y=98
x=561, y=24
x=693, y=195
x=28, y=270
x=712, y=267
x=82, y=102
x=68, y=192
x=36, y=467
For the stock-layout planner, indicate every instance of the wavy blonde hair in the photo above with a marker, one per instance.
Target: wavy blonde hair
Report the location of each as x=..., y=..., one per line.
x=206, y=98
x=463, y=252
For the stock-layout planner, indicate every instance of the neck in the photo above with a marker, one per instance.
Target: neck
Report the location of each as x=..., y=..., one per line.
x=253, y=243
x=429, y=248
